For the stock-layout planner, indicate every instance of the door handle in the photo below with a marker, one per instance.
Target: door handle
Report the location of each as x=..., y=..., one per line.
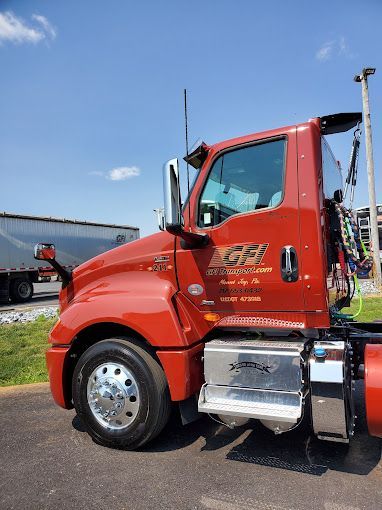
x=289, y=264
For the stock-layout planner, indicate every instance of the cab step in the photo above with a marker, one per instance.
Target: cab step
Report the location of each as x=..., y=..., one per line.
x=250, y=403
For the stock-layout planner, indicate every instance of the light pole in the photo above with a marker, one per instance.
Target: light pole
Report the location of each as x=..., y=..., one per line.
x=362, y=78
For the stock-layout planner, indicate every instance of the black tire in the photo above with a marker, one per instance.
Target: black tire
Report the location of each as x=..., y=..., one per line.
x=21, y=290
x=154, y=403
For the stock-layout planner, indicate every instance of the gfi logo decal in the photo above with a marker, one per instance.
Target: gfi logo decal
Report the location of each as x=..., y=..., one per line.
x=121, y=238
x=238, y=255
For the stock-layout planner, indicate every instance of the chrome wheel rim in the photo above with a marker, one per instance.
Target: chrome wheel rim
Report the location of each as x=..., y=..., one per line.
x=113, y=396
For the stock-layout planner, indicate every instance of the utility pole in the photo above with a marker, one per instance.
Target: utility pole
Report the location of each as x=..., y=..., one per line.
x=370, y=174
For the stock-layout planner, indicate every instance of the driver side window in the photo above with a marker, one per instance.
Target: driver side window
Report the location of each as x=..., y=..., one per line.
x=243, y=180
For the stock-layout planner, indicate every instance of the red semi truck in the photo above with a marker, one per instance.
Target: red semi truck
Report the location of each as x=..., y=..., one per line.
x=234, y=309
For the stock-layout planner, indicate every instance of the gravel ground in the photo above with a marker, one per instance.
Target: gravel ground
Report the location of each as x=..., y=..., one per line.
x=28, y=316
x=368, y=287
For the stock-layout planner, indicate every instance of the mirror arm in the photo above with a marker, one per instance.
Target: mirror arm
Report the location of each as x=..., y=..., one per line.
x=65, y=275
x=189, y=239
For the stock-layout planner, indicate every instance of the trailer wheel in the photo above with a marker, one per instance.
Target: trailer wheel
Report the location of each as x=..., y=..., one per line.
x=120, y=393
x=21, y=290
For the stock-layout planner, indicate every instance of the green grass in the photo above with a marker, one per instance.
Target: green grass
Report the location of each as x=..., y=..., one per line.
x=371, y=309
x=23, y=346
x=22, y=352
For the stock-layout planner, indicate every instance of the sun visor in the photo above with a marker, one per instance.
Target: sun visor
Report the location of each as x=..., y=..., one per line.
x=198, y=156
x=339, y=122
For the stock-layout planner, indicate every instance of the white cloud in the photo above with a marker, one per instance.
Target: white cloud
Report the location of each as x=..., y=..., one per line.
x=342, y=45
x=325, y=52
x=337, y=47
x=123, y=172
x=47, y=27
x=344, y=50
x=17, y=31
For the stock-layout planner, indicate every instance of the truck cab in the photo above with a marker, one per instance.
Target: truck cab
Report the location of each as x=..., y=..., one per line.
x=230, y=309
x=260, y=201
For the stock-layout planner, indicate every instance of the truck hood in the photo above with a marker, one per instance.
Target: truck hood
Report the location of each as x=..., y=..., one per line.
x=139, y=255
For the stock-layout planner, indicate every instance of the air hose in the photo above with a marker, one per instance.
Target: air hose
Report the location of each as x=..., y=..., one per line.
x=355, y=253
x=358, y=258
x=359, y=293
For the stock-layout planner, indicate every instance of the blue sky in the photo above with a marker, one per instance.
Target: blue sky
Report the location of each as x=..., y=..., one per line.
x=91, y=92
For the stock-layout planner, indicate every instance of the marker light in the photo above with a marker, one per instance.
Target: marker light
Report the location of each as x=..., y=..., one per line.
x=211, y=317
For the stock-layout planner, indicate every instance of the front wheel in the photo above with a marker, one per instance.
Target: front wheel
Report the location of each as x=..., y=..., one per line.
x=120, y=393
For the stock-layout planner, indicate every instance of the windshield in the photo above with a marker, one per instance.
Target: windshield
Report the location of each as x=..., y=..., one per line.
x=243, y=180
x=193, y=177
x=331, y=171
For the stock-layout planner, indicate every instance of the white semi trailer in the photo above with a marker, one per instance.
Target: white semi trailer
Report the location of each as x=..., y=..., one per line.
x=75, y=241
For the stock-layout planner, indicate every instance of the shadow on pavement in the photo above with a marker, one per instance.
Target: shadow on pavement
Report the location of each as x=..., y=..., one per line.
x=297, y=451
x=301, y=451
x=77, y=424
x=306, y=454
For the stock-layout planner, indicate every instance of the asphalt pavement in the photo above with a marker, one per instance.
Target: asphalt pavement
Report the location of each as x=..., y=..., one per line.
x=49, y=462
x=45, y=294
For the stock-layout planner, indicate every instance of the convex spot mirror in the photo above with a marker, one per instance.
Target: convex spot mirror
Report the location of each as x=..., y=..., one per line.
x=160, y=218
x=43, y=251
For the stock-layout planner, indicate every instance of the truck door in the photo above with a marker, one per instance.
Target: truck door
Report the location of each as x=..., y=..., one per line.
x=246, y=200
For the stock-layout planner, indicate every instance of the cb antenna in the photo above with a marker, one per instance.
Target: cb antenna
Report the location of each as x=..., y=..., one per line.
x=188, y=170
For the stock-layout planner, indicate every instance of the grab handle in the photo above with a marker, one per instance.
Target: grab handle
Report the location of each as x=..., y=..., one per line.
x=289, y=264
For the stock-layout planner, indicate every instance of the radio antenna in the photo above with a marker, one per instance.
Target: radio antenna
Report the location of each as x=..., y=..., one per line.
x=188, y=170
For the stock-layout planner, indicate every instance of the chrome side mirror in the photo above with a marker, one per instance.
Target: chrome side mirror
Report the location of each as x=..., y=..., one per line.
x=173, y=219
x=171, y=190
x=44, y=251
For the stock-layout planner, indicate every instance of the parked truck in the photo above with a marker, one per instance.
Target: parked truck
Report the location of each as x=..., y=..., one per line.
x=77, y=241
x=235, y=309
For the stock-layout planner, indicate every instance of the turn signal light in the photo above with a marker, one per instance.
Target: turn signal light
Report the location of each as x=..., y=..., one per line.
x=211, y=317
